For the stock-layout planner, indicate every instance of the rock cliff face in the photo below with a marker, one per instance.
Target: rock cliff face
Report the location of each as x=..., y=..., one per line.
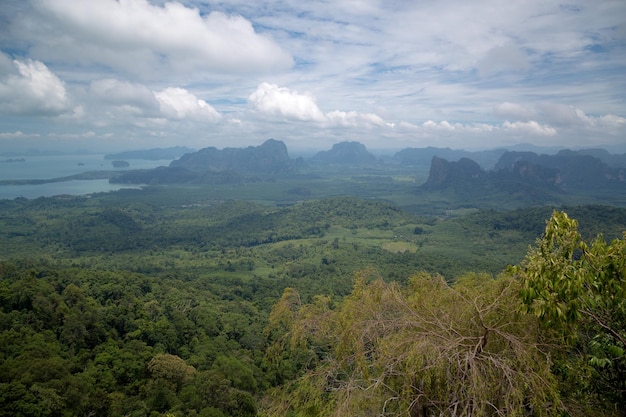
x=444, y=174
x=269, y=158
x=567, y=169
x=526, y=172
x=424, y=156
x=534, y=173
x=353, y=153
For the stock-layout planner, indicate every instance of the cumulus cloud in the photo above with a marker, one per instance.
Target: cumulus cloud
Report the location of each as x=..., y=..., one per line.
x=273, y=100
x=139, y=37
x=445, y=126
x=612, y=120
x=179, y=104
x=107, y=63
x=117, y=101
x=572, y=116
x=30, y=88
x=354, y=119
x=530, y=127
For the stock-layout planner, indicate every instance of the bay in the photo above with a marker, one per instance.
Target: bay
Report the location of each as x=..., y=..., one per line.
x=56, y=166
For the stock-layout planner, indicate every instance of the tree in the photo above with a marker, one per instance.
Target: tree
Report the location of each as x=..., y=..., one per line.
x=170, y=370
x=421, y=350
x=578, y=291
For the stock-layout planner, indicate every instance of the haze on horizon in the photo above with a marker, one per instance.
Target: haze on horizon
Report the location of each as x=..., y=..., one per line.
x=137, y=74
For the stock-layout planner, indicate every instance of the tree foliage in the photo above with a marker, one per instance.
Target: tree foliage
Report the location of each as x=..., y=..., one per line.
x=119, y=308
x=578, y=290
x=425, y=349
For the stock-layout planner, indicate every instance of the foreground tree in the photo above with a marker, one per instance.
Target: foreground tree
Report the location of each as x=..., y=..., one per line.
x=422, y=350
x=578, y=291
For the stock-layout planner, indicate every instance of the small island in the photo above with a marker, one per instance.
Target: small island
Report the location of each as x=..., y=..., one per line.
x=120, y=164
x=13, y=160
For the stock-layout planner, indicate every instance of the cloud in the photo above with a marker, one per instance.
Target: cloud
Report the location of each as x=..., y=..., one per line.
x=503, y=58
x=530, y=127
x=480, y=72
x=611, y=120
x=445, y=126
x=571, y=116
x=560, y=114
x=179, y=104
x=514, y=111
x=16, y=135
x=30, y=88
x=74, y=136
x=141, y=38
x=274, y=100
x=271, y=99
x=354, y=119
x=123, y=102
x=114, y=91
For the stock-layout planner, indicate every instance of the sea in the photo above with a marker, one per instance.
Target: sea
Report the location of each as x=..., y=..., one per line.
x=55, y=166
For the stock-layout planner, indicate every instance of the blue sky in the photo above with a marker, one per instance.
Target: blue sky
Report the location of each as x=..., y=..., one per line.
x=132, y=74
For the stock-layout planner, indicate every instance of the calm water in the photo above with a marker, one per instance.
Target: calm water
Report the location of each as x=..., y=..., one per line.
x=45, y=167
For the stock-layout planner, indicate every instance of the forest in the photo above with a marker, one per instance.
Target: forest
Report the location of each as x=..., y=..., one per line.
x=334, y=296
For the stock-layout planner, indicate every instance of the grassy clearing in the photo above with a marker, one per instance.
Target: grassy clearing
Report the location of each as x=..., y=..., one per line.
x=399, y=247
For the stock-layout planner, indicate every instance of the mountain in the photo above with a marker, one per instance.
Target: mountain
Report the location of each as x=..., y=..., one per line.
x=463, y=173
x=154, y=154
x=353, y=153
x=526, y=175
x=612, y=160
x=570, y=170
x=214, y=166
x=269, y=158
x=424, y=156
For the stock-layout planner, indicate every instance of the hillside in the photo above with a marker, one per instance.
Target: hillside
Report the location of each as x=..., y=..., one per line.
x=271, y=157
x=350, y=153
x=146, y=303
x=537, y=179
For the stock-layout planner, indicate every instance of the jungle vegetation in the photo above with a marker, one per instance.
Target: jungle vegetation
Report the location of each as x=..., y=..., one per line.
x=167, y=301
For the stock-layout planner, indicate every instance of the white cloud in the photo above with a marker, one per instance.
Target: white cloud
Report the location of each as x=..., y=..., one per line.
x=559, y=114
x=354, y=119
x=611, y=120
x=274, y=100
x=479, y=72
x=445, y=126
x=514, y=111
x=114, y=91
x=179, y=104
x=271, y=99
x=141, y=38
x=16, y=135
x=113, y=101
x=30, y=88
x=571, y=116
x=530, y=127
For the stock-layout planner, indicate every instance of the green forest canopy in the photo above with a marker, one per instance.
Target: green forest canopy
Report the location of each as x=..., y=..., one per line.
x=185, y=316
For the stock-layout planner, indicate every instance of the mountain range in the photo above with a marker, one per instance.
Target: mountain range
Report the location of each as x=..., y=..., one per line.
x=457, y=171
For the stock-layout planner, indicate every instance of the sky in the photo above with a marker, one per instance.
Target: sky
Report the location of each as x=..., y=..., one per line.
x=391, y=74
